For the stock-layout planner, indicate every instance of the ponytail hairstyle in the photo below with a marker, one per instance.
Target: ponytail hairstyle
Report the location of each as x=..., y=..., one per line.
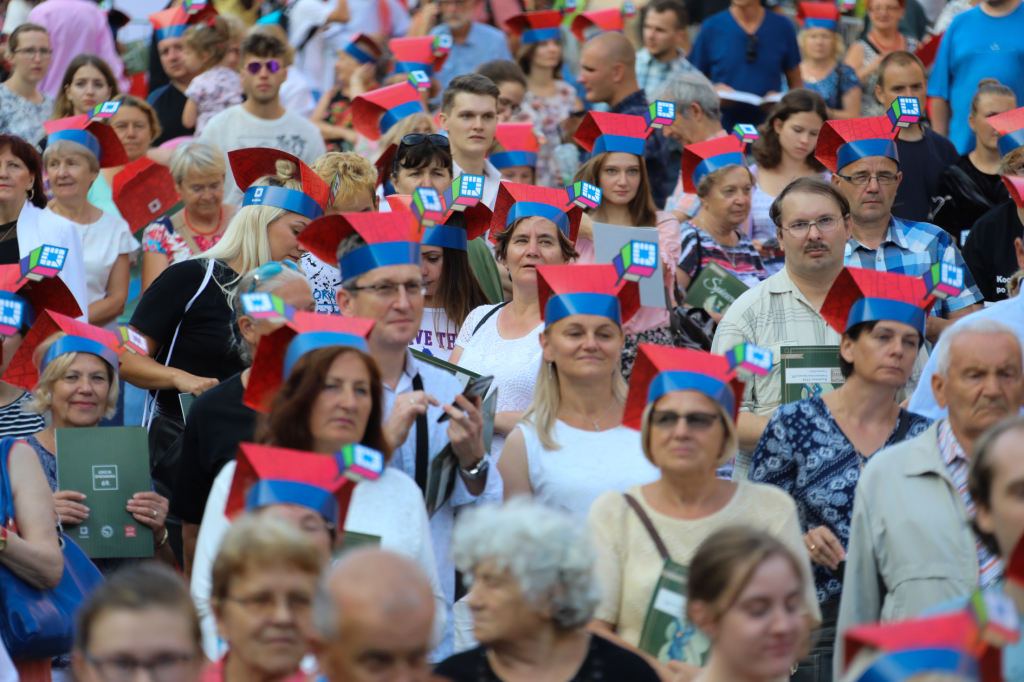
x=990, y=86
x=212, y=39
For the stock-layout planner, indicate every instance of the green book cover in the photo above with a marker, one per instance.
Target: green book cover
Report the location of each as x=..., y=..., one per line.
x=809, y=371
x=108, y=465
x=463, y=375
x=443, y=471
x=352, y=540
x=185, y=399
x=667, y=634
x=715, y=289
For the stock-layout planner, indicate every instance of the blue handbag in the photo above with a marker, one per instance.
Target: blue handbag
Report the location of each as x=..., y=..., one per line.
x=37, y=624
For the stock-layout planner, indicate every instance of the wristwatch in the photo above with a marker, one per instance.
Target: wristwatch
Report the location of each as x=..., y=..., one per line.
x=477, y=472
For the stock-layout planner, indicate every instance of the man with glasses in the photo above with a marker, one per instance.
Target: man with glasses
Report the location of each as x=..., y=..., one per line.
x=261, y=121
x=381, y=280
x=469, y=114
x=861, y=153
x=473, y=43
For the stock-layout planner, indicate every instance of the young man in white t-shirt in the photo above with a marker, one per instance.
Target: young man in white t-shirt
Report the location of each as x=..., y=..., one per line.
x=261, y=121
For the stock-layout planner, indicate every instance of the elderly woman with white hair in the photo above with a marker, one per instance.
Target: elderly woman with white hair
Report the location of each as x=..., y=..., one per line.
x=532, y=592
x=684, y=403
x=198, y=169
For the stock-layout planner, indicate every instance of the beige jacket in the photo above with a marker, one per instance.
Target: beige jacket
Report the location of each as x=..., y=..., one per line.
x=911, y=544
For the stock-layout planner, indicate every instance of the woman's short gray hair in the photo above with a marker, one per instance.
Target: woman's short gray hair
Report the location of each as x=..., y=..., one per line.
x=62, y=148
x=250, y=285
x=986, y=326
x=544, y=549
x=691, y=88
x=198, y=156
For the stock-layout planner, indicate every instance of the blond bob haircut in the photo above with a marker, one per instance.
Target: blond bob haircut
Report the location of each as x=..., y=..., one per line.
x=261, y=541
x=64, y=148
x=729, y=447
x=197, y=156
x=246, y=235
x=407, y=125
x=504, y=238
x=42, y=397
x=840, y=46
x=1012, y=162
x=358, y=176
x=708, y=182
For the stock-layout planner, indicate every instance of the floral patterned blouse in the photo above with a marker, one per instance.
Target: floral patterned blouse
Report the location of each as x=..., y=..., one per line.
x=550, y=112
x=161, y=237
x=339, y=113
x=214, y=90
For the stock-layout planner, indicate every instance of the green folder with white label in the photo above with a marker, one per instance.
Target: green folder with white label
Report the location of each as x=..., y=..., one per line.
x=809, y=371
x=463, y=375
x=108, y=465
x=715, y=289
x=667, y=633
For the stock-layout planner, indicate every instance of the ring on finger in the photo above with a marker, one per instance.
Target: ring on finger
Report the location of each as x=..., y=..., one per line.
x=154, y=513
x=813, y=547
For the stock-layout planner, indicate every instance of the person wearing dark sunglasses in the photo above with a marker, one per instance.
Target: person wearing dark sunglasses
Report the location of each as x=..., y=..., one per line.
x=749, y=50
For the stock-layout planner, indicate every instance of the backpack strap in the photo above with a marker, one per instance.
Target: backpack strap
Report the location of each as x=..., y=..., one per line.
x=648, y=524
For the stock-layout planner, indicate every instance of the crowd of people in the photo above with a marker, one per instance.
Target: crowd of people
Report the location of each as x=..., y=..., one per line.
x=478, y=341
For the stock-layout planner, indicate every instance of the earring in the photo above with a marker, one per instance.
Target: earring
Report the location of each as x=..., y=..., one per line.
x=31, y=193
x=550, y=376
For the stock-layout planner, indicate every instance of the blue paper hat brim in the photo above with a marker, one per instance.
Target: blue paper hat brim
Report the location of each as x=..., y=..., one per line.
x=875, y=309
x=311, y=341
x=681, y=380
x=78, y=344
x=582, y=303
x=269, y=492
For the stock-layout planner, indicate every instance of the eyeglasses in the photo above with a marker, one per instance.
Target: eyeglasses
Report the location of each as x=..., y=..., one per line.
x=413, y=139
x=166, y=667
x=389, y=290
x=825, y=224
x=752, y=41
x=264, y=604
x=270, y=271
x=504, y=105
x=33, y=52
x=273, y=66
x=697, y=421
x=865, y=178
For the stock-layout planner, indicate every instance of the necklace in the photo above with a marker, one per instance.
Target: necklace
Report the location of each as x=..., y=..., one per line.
x=890, y=48
x=588, y=419
x=220, y=217
x=6, y=235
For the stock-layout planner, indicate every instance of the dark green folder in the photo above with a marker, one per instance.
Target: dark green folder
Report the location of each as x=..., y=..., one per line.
x=108, y=465
x=185, y=400
x=667, y=634
x=809, y=371
x=715, y=289
x=463, y=375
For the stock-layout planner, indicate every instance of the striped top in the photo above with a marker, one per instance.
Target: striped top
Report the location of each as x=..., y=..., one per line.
x=741, y=259
x=17, y=423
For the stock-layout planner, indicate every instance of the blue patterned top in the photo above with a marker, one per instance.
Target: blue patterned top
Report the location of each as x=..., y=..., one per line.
x=828, y=87
x=804, y=452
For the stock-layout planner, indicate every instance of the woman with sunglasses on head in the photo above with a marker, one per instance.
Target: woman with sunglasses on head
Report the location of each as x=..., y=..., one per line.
x=218, y=420
x=684, y=403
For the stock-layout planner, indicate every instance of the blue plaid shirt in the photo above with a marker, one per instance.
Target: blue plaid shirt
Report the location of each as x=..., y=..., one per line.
x=911, y=248
x=651, y=74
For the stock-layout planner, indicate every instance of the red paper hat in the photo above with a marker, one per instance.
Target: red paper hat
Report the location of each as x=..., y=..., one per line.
x=861, y=295
x=22, y=371
x=94, y=135
x=49, y=293
x=385, y=163
x=844, y=141
x=520, y=201
x=662, y=369
x=375, y=112
x=277, y=352
x=604, y=19
x=1016, y=187
x=705, y=157
x=1009, y=124
x=477, y=219
x=249, y=165
x=391, y=238
x=566, y=290
x=818, y=15
x=536, y=27
x=605, y=132
x=399, y=202
x=172, y=22
x=302, y=477
x=363, y=49
x=416, y=54
x=519, y=144
x=143, y=192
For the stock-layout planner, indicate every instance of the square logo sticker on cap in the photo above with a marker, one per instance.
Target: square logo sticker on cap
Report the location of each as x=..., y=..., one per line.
x=420, y=80
x=360, y=463
x=904, y=112
x=465, y=192
x=11, y=315
x=266, y=306
x=660, y=114
x=636, y=260
x=131, y=341
x=427, y=206
x=43, y=261
x=584, y=195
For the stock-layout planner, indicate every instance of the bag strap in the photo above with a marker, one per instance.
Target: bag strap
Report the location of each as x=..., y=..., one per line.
x=6, y=492
x=646, y=520
x=904, y=427
x=422, y=441
x=488, y=315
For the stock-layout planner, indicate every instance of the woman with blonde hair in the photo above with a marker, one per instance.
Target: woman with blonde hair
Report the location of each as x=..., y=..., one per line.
x=821, y=47
x=570, y=446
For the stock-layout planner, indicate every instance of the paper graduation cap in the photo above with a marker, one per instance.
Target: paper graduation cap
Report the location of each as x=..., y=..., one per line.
x=374, y=112
x=144, y=191
x=249, y=165
x=536, y=27
x=1010, y=125
x=588, y=24
x=171, y=23
x=1016, y=187
x=842, y=142
x=661, y=369
x=266, y=475
x=385, y=163
x=21, y=299
x=519, y=144
x=605, y=132
x=277, y=352
x=416, y=54
x=391, y=239
x=566, y=290
x=22, y=371
x=452, y=232
x=363, y=49
x=861, y=295
x=93, y=134
x=705, y=157
x=517, y=201
x=818, y=15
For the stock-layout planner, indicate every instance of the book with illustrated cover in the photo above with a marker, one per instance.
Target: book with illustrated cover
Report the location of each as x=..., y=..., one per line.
x=667, y=634
x=108, y=465
x=463, y=375
x=809, y=371
x=715, y=289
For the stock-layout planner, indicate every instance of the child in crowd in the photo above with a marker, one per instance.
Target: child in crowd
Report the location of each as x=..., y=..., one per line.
x=208, y=49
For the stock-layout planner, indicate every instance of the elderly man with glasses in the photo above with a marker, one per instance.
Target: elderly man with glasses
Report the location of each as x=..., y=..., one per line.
x=861, y=153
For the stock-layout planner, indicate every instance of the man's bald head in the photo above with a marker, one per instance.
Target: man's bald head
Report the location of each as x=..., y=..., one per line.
x=613, y=47
x=608, y=68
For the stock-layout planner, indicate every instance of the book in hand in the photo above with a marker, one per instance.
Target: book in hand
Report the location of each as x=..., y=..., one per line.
x=444, y=469
x=748, y=97
x=667, y=634
x=463, y=375
x=715, y=289
x=809, y=371
x=108, y=465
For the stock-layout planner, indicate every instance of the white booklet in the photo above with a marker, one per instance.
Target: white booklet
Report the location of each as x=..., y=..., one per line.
x=748, y=97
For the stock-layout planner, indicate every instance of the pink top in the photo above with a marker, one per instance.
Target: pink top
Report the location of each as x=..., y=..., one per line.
x=671, y=241
x=214, y=672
